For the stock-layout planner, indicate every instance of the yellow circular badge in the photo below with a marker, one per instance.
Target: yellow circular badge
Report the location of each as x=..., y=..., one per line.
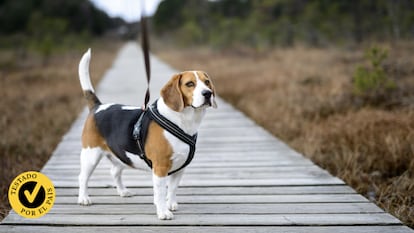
x=31, y=194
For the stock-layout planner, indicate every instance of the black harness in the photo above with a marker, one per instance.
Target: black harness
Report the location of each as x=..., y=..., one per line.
x=141, y=130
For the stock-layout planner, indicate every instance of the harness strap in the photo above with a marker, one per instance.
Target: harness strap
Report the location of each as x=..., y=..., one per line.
x=171, y=127
x=140, y=133
x=177, y=132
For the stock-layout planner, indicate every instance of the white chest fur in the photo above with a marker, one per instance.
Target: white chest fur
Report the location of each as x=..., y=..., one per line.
x=180, y=151
x=189, y=121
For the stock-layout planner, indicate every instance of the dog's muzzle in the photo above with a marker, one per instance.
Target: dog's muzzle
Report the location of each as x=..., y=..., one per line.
x=207, y=97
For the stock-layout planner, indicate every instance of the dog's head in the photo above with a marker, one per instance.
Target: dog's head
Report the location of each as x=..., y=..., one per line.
x=189, y=89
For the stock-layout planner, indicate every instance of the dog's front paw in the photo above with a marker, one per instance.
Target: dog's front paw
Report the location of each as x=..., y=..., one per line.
x=125, y=193
x=165, y=215
x=84, y=200
x=173, y=206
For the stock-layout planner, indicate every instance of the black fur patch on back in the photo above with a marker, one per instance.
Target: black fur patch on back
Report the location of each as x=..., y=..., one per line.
x=116, y=125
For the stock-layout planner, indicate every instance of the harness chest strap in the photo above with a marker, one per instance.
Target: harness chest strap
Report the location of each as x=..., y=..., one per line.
x=140, y=133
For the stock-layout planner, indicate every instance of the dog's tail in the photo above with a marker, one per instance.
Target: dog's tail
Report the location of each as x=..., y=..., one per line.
x=85, y=81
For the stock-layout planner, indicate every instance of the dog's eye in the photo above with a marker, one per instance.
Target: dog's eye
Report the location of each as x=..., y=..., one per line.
x=190, y=84
x=207, y=82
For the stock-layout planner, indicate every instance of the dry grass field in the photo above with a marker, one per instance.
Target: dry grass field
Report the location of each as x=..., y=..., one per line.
x=39, y=102
x=305, y=97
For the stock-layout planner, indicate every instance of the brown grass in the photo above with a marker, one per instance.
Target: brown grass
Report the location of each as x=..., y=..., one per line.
x=39, y=103
x=304, y=96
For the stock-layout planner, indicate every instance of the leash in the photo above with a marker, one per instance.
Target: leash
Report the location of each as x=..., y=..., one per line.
x=141, y=126
x=137, y=132
x=145, y=50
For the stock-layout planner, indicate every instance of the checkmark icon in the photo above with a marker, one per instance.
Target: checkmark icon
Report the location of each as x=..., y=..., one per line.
x=31, y=196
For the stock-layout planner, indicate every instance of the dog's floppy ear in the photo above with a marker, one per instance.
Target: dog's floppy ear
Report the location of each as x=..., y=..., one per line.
x=171, y=94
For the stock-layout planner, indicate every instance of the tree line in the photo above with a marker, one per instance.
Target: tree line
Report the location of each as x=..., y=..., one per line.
x=45, y=25
x=77, y=15
x=259, y=23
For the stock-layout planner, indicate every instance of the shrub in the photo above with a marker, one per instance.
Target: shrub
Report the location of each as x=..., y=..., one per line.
x=373, y=82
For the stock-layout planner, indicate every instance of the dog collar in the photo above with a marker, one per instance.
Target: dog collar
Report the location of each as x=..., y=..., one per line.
x=140, y=132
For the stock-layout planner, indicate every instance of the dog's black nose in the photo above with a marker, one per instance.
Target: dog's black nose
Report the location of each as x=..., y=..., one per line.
x=206, y=94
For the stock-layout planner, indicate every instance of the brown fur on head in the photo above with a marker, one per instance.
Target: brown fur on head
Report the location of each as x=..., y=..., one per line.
x=171, y=93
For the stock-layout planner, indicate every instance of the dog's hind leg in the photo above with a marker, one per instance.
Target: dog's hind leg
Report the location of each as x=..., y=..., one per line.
x=116, y=172
x=89, y=158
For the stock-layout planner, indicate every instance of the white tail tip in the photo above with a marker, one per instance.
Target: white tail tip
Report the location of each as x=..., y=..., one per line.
x=84, y=77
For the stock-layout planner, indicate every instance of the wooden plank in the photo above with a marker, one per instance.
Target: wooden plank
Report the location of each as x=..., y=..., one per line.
x=230, y=162
x=212, y=220
x=215, y=208
x=276, y=171
x=209, y=163
x=217, y=183
x=230, y=132
x=72, y=156
x=241, y=164
x=273, y=190
x=196, y=174
x=200, y=229
x=136, y=179
x=207, y=156
x=228, y=123
x=108, y=182
x=223, y=199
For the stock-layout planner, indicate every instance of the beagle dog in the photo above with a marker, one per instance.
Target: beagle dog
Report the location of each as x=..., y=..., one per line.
x=108, y=131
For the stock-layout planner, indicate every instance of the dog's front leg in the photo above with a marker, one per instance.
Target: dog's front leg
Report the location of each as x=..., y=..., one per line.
x=173, y=182
x=160, y=197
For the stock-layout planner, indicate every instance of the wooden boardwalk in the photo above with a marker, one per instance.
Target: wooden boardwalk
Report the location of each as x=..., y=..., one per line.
x=242, y=179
